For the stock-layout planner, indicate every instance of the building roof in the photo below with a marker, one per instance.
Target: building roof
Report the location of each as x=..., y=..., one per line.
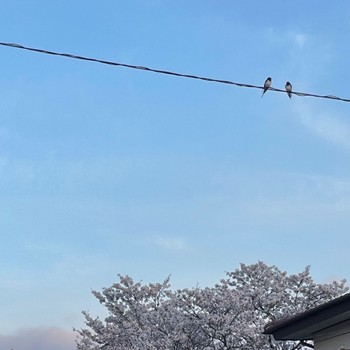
x=302, y=326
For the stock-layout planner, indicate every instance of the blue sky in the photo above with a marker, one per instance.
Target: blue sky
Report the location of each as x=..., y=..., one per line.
x=106, y=170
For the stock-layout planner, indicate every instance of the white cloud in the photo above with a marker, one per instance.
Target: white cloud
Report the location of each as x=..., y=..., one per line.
x=39, y=339
x=327, y=125
x=303, y=202
x=171, y=243
x=300, y=39
x=287, y=37
x=12, y=283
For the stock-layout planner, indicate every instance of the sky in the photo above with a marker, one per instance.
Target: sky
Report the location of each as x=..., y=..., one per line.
x=107, y=170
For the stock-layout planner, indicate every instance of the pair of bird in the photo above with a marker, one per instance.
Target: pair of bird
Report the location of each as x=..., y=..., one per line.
x=267, y=85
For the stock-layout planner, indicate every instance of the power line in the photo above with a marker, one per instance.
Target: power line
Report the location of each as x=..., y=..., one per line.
x=159, y=71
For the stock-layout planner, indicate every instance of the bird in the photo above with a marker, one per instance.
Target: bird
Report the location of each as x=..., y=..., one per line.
x=289, y=89
x=267, y=84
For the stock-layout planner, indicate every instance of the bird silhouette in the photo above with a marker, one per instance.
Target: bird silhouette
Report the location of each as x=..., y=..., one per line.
x=289, y=89
x=267, y=84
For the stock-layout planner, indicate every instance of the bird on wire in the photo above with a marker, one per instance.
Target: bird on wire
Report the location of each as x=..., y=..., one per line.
x=289, y=89
x=267, y=84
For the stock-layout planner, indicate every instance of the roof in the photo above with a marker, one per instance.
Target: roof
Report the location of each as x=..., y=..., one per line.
x=302, y=326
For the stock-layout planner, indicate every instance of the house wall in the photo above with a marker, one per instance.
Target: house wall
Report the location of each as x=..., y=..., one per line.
x=333, y=338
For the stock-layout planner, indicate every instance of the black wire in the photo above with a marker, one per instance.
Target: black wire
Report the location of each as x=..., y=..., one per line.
x=111, y=63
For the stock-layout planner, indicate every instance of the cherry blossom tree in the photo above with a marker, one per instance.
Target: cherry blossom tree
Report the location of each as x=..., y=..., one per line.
x=230, y=315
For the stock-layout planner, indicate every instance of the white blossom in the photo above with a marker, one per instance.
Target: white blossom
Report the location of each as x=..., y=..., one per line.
x=230, y=315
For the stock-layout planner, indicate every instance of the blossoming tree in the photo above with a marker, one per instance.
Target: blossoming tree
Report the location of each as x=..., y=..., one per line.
x=230, y=315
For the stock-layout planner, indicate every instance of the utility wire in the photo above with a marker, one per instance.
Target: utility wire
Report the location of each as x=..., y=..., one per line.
x=190, y=76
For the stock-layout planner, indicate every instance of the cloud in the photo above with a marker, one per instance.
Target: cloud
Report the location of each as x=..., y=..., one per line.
x=171, y=243
x=11, y=283
x=302, y=203
x=278, y=37
x=39, y=339
x=326, y=125
x=300, y=39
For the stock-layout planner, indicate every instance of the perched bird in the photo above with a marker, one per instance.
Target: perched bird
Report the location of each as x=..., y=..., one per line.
x=289, y=89
x=267, y=84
